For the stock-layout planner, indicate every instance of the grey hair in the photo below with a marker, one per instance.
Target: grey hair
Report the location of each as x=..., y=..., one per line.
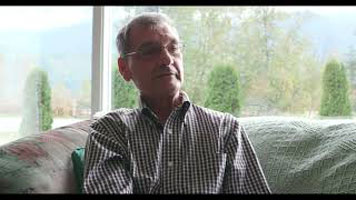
x=145, y=19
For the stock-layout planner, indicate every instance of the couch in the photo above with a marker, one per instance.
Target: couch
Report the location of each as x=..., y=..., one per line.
x=298, y=155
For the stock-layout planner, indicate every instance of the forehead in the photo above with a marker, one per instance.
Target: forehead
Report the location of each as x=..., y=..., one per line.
x=162, y=33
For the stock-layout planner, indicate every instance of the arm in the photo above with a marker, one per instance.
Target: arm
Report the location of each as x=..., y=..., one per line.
x=243, y=172
x=107, y=163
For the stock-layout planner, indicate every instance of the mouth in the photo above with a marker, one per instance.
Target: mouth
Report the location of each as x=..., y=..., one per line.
x=165, y=74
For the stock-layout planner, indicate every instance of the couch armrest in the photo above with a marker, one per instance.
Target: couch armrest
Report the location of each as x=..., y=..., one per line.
x=42, y=163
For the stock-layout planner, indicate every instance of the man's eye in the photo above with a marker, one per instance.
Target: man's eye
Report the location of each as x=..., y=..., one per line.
x=150, y=50
x=174, y=48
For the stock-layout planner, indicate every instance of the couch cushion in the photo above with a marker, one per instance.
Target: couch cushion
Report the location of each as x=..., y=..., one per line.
x=41, y=163
x=305, y=156
x=78, y=167
x=297, y=156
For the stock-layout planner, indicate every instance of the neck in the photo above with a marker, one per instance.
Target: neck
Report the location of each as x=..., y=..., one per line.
x=163, y=105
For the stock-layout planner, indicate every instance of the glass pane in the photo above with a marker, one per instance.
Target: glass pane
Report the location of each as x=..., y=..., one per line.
x=262, y=60
x=45, y=68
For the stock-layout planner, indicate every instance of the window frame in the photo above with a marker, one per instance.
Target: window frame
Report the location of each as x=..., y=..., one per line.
x=101, y=60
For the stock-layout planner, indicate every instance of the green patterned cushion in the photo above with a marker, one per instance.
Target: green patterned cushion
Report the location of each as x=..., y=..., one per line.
x=41, y=163
x=78, y=167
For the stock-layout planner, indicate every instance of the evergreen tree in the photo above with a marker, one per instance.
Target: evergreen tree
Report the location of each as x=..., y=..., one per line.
x=124, y=93
x=37, y=113
x=335, y=91
x=224, y=90
x=46, y=118
x=351, y=65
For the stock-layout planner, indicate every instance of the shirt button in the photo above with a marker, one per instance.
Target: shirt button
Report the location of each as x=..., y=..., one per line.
x=169, y=131
x=170, y=164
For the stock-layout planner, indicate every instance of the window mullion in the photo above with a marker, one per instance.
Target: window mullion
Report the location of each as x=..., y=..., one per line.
x=101, y=61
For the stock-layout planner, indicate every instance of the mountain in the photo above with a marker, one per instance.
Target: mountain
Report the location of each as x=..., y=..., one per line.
x=65, y=53
x=332, y=33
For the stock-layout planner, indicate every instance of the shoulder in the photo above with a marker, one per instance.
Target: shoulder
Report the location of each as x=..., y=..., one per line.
x=207, y=114
x=199, y=110
x=114, y=118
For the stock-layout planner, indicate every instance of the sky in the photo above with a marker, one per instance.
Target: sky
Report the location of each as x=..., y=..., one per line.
x=320, y=10
x=39, y=18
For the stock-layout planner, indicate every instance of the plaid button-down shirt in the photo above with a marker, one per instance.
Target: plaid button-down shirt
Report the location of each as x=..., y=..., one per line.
x=197, y=150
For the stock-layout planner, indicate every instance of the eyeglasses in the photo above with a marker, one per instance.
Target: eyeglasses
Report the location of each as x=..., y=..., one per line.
x=153, y=50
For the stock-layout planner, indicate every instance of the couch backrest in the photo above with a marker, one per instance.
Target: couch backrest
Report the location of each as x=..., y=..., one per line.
x=305, y=156
x=297, y=156
x=42, y=163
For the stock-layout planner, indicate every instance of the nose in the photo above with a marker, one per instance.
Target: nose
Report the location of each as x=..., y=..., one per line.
x=166, y=58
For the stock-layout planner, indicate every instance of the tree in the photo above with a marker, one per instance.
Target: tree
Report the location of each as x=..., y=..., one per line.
x=224, y=90
x=124, y=93
x=206, y=45
x=335, y=91
x=350, y=66
x=277, y=67
x=37, y=113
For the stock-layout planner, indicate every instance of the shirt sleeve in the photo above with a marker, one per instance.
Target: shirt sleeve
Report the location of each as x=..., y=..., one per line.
x=243, y=173
x=107, y=165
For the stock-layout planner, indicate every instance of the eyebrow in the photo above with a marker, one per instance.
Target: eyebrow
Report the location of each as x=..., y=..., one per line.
x=147, y=44
x=151, y=43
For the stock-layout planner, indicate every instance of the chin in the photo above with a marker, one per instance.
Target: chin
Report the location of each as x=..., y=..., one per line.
x=170, y=90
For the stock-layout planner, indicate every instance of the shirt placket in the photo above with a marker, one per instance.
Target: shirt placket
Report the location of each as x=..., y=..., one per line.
x=170, y=154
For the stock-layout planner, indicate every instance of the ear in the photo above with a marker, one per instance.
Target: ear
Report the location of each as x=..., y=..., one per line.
x=124, y=69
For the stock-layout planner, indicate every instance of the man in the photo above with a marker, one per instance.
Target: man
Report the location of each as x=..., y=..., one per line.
x=168, y=144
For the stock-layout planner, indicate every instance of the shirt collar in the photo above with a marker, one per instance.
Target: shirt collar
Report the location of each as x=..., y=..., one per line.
x=183, y=95
x=184, y=104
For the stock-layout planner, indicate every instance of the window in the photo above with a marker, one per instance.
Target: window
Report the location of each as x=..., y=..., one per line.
x=44, y=51
x=273, y=57
x=278, y=54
